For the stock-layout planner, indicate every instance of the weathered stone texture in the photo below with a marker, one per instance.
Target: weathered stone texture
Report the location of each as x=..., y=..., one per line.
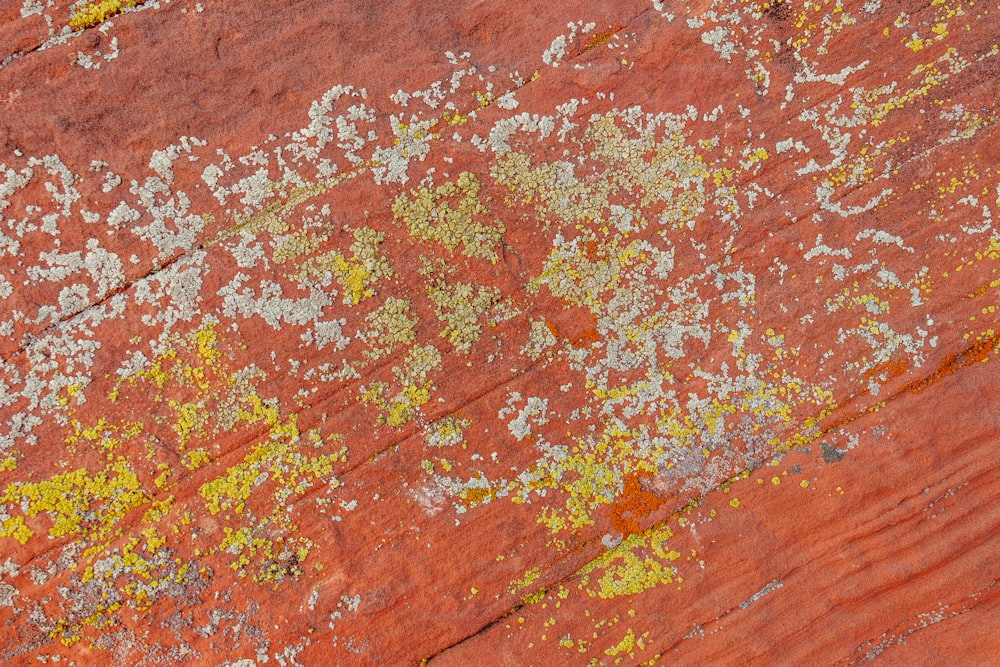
x=496, y=333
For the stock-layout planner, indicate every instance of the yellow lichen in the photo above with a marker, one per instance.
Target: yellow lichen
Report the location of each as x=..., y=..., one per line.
x=635, y=565
x=628, y=644
x=79, y=502
x=110, y=510
x=412, y=378
x=90, y=14
x=357, y=273
x=529, y=578
x=190, y=419
x=195, y=459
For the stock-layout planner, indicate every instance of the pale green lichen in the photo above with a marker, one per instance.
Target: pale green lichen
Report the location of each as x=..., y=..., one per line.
x=540, y=338
x=389, y=326
x=451, y=215
x=412, y=380
x=462, y=307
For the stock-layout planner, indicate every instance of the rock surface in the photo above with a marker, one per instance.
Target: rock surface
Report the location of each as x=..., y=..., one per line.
x=582, y=333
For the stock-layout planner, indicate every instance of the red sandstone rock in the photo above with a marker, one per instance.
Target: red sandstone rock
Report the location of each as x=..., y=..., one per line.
x=606, y=333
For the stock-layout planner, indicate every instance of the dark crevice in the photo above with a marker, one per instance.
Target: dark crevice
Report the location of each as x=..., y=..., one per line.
x=469, y=636
x=20, y=54
x=136, y=5
x=30, y=337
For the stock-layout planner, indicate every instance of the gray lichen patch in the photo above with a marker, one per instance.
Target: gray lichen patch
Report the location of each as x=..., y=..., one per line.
x=447, y=432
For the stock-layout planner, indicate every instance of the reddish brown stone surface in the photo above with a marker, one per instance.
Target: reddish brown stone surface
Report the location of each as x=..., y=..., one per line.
x=485, y=333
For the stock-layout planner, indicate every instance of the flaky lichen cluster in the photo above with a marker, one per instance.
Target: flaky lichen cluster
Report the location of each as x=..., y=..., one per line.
x=462, y=307
x=452, y=215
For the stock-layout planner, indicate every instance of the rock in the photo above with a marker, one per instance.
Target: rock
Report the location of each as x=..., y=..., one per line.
x=597, y=332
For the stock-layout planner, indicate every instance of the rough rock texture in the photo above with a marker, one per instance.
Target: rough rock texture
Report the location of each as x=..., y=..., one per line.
x=570, y=333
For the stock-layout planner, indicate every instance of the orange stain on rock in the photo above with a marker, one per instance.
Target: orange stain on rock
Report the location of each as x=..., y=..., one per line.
x=635, y=504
